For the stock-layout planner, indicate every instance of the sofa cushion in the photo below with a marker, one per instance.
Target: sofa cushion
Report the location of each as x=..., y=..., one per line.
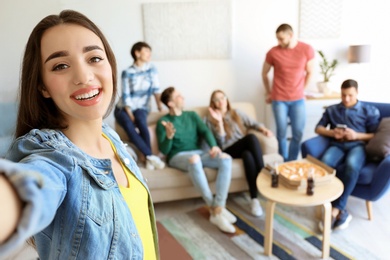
x=379, y=146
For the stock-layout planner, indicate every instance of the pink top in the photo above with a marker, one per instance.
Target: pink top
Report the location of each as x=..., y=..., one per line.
x=289, y=71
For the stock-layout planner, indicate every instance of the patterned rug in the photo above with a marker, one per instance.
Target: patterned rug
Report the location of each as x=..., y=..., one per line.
x=191, y=236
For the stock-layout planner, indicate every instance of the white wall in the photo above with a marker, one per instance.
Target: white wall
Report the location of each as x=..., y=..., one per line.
x=363, y=22
x=254, y=24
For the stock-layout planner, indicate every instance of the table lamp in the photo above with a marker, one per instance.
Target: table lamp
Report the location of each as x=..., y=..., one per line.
x=359, y=53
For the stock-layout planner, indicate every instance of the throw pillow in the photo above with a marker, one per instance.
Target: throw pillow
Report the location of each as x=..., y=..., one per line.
x=379, y=146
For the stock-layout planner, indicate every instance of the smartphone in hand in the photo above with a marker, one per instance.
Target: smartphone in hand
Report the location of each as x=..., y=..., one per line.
x=342, y=126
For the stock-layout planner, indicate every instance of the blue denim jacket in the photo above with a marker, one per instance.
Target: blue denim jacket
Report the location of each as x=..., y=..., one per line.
x=73, y=205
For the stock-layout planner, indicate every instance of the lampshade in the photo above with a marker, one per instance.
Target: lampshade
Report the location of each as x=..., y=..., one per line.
x=359, y=53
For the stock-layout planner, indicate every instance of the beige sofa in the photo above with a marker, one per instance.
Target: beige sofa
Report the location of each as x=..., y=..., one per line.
x=171, y=184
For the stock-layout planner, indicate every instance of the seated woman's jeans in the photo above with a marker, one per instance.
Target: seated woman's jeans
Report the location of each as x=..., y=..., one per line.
x=198, y=176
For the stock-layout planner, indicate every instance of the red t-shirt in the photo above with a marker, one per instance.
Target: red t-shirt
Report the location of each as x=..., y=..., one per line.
x=289, y=71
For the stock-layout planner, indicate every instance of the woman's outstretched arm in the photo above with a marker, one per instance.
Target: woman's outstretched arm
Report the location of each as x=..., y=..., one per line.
x=10, y=208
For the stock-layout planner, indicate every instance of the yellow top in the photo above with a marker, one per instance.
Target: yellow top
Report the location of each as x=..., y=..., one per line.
x=136, y=197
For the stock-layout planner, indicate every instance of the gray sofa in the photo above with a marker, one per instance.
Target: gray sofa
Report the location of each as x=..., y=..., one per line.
x=171, y=184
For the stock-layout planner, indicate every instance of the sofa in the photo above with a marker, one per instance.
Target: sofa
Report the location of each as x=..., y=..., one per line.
x=7, y=125
x=374, y=177
x=171, y=184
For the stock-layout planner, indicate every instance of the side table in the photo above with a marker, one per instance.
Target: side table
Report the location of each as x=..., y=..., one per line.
x=323, y=195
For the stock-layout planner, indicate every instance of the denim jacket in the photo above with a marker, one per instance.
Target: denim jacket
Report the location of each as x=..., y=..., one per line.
x=73, y=205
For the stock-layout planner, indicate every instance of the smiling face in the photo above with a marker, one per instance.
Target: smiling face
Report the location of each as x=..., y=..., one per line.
x=219, y=101
x=76, y=73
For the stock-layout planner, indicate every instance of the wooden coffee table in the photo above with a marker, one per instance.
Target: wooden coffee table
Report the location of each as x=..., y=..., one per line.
x=323, y=195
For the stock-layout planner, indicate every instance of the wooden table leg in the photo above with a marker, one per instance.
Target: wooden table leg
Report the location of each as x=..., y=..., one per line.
x=326, y=233
x=269, y=218
x=318, y=213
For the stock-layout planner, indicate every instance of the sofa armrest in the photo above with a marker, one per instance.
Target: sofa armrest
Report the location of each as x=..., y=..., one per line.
x=381, y=181
x=269, y=145
x=315, y=146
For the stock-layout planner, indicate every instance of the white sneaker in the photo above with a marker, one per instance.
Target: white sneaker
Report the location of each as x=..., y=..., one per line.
x=155, y=161
x=256, y=209
x=222, y=223
x=149, y=165
x=228, y=215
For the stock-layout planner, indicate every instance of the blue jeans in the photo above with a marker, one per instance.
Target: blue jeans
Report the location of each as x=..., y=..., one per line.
x=198, y=176
x=296, y=111
x=140, y=139
x=353, y=155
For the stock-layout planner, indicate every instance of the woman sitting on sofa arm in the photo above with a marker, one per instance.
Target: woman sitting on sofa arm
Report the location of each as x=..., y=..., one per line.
x=230, y=130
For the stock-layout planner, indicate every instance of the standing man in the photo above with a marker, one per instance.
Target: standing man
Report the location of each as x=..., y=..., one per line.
x=292, y=63
x=139, y=83
x=352, y=124
x=179, y=134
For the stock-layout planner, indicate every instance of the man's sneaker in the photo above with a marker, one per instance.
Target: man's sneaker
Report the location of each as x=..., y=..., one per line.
x=155, y=161
x=343, y=220
x=228, y=216
x=222, y=223
x=256, y=209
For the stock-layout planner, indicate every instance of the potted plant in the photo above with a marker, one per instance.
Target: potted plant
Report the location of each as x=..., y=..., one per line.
x=327, y=69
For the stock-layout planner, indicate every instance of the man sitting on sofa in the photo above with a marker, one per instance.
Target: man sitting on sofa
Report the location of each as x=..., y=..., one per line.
x=179, y=134
x=351, y=124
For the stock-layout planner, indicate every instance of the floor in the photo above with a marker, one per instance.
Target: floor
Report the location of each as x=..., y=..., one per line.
x=372, y=235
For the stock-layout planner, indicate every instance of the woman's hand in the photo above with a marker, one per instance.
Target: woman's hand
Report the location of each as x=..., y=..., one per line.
x=266, y=132
x=215, y=114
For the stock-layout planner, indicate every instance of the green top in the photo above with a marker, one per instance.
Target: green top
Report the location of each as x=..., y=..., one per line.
x=188, y=136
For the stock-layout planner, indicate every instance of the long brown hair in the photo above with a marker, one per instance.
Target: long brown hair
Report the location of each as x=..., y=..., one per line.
x=35, y=111
x=235, y=117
